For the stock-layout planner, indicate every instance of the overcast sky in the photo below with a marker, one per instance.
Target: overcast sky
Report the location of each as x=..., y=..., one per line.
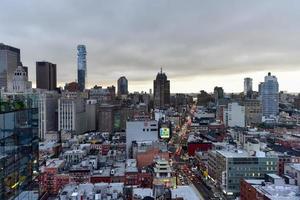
x=199, y=44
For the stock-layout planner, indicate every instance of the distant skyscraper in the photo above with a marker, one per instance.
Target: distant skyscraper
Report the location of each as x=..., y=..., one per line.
x=269, y=96
x=161, y=87
x=122, y=86
x=218, y=93
x=81, y=66
x=247, y=86
x=45, y=75
x=9, y=61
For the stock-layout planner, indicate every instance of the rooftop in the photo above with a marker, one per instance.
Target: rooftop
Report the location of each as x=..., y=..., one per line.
x=54, y=163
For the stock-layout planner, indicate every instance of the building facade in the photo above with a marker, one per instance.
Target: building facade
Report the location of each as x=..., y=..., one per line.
x=122, y=86
x=139, y=131
x=270, y=96
x=48, y=118
x=247, y=86
x=253, y=111
x=18, y=151
x=234, y=115
x=72, y=115
x=20, y=80
x=232, y=166
x=81, y=66
x=46, y=75
x=10, y=59
x=161, y=87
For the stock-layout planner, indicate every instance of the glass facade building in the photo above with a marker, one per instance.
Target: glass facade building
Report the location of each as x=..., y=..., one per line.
x=270, y=96
x=81, y=66
x=18, y=151
x=232, y=167
x=122, y=86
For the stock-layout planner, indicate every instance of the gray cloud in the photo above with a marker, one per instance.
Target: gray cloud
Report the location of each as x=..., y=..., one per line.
x=136, y=37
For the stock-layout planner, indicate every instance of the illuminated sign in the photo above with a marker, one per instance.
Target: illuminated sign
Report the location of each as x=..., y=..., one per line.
x=164, y=133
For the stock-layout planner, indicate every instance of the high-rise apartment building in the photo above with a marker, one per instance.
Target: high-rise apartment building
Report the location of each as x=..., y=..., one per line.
x=47, y=104
x=270, y=96
x=10, y=59
x=234, y=115
x=81, y=66
x=161, y=87
x=122, y=86
x=247, y=86
x=72, y=115
x=18, y=151
x=45, y=75
x=218, y=93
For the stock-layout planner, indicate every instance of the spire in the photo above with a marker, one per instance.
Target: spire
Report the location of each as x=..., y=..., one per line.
x=161, y=70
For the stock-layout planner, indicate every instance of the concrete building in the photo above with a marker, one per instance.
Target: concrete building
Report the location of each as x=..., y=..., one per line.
x=234, y=115
x=87, y=191
x=20, y=81
x=45, y=75
x=81, y=66
x=270, y=96
x=72, y=115
x=233, y=165
x=47, y=106
x=122, y=86
x=91, y=107
x=163, y=173
x=139, y=131
x=105, y=117
x=253, y=111
x=10, y=59
x=247, y=86
x=272, y=187
x=161, y=87
x=293, y=170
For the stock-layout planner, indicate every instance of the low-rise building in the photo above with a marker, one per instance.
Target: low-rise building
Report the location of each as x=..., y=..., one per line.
x=233, y=165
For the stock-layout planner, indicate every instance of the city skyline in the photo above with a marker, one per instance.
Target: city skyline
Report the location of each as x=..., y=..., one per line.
x=214, y=44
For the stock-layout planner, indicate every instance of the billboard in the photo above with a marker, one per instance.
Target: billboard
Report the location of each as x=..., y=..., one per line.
x=164, y=133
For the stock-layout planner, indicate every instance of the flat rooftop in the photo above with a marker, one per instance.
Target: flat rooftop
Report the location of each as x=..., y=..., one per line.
x=279, y=192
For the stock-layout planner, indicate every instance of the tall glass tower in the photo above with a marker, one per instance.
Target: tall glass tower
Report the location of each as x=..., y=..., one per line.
x=269, y=96
x=81, y=66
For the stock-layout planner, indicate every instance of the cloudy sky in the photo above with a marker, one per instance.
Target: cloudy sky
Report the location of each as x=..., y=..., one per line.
x=199, y=43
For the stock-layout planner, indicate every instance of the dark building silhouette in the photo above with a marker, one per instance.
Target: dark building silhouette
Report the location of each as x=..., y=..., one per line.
x=122, y=86
x=45, y=75
x=9, y=61
x=218, y=93
x=161, y=86
x=72, y=87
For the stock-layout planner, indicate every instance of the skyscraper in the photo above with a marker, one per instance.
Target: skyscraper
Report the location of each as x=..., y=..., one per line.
x=45, y=75
x=81, y=66
x=161, y=87
x=247, y=86
x=9, y=61
x=122, y=86
x=269, y=96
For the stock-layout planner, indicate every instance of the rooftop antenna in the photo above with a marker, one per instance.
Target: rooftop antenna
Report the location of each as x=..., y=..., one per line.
x=161, y=70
